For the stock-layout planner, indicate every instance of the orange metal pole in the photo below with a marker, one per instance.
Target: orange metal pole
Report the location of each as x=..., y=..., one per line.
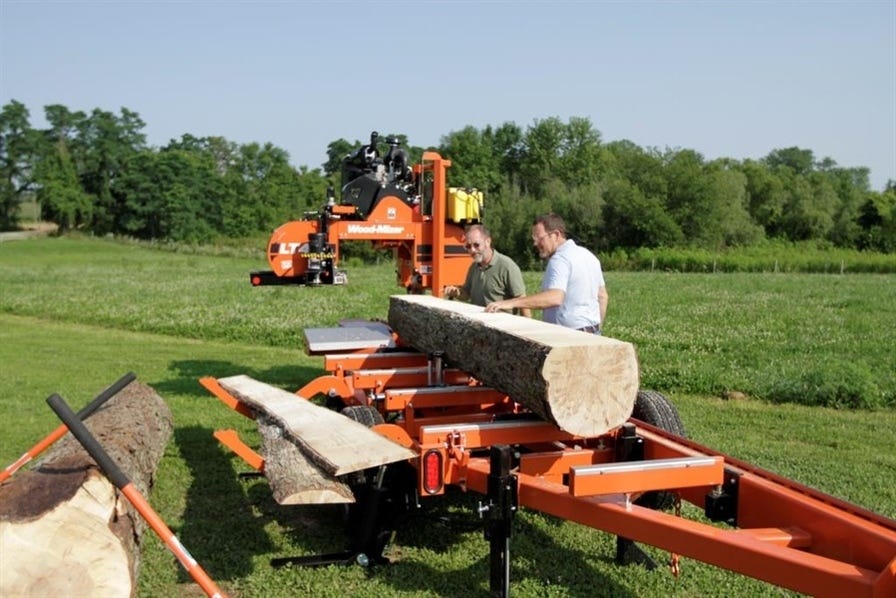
x=123, y=483
x=439, y=217
x=212, y=385
x=60, y=431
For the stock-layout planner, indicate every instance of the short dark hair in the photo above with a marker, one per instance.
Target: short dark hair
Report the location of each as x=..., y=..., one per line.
x=551, y=222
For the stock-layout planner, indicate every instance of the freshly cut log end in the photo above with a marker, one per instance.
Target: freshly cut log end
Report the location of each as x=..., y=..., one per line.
x=71, y=550
x=65, y=530
x=583, y=383
x=598, y=397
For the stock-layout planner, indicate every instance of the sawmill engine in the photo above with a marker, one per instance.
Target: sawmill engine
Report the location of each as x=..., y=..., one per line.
x=367, y=176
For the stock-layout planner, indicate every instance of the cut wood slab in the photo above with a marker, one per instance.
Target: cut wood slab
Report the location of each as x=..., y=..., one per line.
x=294, y=478
x=584, y=383
x=64, y=528
x=336, y=443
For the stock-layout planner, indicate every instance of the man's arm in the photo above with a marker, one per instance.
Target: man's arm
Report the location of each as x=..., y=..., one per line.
x=542, y=300
x=603, y=300
x=517, y=287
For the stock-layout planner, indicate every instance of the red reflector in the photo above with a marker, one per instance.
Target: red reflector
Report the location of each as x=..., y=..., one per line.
x=432, y=471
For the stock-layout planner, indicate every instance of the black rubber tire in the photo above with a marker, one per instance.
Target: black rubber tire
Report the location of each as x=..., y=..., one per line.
x=654, y=408
x=368, y=416
x=363, y=414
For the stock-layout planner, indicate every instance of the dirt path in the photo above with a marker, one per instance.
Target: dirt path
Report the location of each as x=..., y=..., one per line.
x=35, y=229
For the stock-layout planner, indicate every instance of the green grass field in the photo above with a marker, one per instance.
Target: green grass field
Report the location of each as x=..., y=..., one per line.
x=75, y=314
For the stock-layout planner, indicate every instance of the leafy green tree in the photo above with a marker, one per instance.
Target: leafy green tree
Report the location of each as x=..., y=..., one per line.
x=474, y=162
x=877, y=220
x=540, y=160
x=810, y=208
x=509, y=214
x=641, y=168
x=684, y=169
x=269, y=184
x=581, y=207
x=709, y=201
x=727, y=221
x=766, y=197
x=62, y=199
x=170, y=194
x=223, y=153
x=17, y=148
x=109, y=141
x=336, y=152
x=852, y=186
x=59, y=169
x=633, y=219
x=580, y=163
x=799, y=161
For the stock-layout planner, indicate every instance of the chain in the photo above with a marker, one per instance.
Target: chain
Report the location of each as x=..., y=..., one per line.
x=675, y=559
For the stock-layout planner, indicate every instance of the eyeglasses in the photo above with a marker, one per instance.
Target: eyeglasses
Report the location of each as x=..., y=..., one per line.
x=540, y=237
x=469, y=246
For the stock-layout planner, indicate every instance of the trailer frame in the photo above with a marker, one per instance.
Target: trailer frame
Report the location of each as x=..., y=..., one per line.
x=756, y=522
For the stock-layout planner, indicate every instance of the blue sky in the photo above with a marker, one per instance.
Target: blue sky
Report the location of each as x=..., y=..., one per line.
x=727, y=79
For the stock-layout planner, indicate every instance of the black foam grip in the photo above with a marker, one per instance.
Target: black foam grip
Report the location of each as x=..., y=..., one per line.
x=90, y=444
x=107, y=394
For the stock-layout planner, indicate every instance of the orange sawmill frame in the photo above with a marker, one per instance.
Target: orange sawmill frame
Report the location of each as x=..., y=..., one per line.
x=786, y=534
x=428, y=247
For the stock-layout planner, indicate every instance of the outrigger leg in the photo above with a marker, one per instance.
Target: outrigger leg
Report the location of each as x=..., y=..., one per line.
x=631, y=448
x=371, y=531
x=503, y=503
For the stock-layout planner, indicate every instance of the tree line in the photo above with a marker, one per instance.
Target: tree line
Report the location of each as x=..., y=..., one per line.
x=94, y=172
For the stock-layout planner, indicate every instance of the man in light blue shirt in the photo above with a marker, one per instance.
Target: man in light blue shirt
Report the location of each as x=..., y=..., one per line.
x=573, y=292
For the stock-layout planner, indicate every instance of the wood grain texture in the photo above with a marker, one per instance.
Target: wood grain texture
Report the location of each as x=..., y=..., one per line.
x=65, y=530
x=585, y=384
x=337, y=444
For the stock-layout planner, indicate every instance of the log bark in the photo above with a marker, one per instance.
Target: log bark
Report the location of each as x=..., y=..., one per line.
x=337, y=444
x=65, y=530
x=294, y=478
x=585, y=384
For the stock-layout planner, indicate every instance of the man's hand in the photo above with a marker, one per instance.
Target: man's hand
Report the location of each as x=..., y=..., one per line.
x=451, y=291
x=497, y=306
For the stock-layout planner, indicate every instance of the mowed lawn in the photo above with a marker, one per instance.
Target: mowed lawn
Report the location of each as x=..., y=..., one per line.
x=75, y=314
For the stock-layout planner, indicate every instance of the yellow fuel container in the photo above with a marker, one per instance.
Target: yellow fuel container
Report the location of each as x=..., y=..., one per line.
x=464, y=205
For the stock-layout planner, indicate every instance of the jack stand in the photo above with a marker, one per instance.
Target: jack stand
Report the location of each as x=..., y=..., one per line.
x=369, y=534
x=502, y=504
x=629, y=553
x=631, y=448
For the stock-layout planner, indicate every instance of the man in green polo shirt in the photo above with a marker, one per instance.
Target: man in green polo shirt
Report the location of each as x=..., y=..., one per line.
x=492, y=276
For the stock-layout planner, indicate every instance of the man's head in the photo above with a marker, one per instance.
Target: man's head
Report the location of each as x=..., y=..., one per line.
x=478, y=243
x=548, y=233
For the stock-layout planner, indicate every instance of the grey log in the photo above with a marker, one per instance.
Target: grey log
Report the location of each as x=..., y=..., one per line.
x=583, y=383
